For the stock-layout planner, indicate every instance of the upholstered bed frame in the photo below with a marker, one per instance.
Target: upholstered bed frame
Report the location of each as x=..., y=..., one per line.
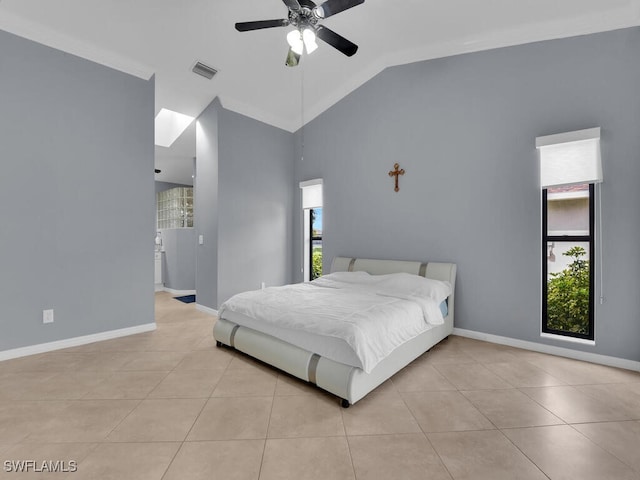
x=347, y=382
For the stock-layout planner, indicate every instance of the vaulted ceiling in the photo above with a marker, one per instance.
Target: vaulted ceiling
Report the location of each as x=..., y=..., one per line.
x=167, y=37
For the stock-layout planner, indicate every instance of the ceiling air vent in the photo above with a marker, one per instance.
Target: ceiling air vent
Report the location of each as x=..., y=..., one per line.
x=204, y=70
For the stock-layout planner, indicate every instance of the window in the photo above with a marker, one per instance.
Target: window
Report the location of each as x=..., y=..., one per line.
x=570, y=166
x=315, y=237
x=568, y=259
x=312, y=228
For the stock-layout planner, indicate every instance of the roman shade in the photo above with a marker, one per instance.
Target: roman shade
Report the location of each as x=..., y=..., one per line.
x=570, y=158
x=311, y=193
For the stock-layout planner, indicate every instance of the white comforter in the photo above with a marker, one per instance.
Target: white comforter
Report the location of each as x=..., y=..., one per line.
x=372, y=314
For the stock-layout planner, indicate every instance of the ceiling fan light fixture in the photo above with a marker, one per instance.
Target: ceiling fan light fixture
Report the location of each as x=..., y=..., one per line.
x=309, y=39
x=294, y=39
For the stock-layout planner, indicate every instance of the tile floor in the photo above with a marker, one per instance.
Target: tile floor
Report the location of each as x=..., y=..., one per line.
x=170, y=405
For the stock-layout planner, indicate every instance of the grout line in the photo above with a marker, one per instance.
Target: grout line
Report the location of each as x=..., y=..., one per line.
x=266, y=435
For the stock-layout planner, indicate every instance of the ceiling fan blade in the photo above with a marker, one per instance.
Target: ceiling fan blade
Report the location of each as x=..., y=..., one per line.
x=336, y=41
x=307, y=3
x=331, y=7
x=248, y=26
x=292, y=58
x=292, y=4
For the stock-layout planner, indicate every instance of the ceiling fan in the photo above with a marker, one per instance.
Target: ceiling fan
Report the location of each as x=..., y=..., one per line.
x=305, y=16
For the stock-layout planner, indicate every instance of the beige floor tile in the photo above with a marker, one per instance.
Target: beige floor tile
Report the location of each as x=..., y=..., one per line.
x=442, y=355
x=171, y=343
x=23, y=385
x=241, y=363
x=288, y=385
x=19, y=419
x=379, y=413
x=562, y=452
x=134, y=385
x=575, y=372
x=246, y=383
x=404, y=456
x=207, y=343
x=68, y=385
x=420, y=377
x=159, y=420
x=483, y=455
x=623, y=397
x=472, y=377
x=523, y=374
x=307, y=459
x=236, y=459
x=188, y=384
x=510, y=408
x=45, y=362
x=484, y=352
x=52, y=460
x=154, y=361
x=621, y=439
x=83, y=421
x=205, y=359
x=104, y=362
x=305, y=416
x=126, y=461
x=445, y=411
x=573, y=406
x=131, y=343
x=233, y=418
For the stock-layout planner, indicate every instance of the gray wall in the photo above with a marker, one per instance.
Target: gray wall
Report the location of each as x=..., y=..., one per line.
x=179, y=259
x=464, y=130
x=76, y=196
x=205, y=205
x=243, y=204
x=256, y=174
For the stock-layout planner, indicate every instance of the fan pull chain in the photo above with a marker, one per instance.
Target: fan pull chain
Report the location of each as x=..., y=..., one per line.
x=302, y=113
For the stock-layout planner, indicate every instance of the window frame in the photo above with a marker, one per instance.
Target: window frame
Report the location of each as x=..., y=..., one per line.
x=311, y=239
x=312, y=193
x=557, y=239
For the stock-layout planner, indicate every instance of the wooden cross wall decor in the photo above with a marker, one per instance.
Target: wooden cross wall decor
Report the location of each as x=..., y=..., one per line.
x=396, y=172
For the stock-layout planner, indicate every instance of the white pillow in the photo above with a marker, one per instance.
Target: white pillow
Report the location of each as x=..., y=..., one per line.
x=402, y=285
x=408, y=285
x=346, y=277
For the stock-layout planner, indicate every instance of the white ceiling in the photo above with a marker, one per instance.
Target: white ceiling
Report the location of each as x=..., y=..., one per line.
x=166, y=38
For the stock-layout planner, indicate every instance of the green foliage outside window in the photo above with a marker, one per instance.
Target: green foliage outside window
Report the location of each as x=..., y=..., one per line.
x=568, y=295
x=316, y=263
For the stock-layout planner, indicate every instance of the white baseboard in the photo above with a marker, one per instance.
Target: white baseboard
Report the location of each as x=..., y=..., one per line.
x=550, y=349
x=208, y=310
x=179, y=292
x=75, y=341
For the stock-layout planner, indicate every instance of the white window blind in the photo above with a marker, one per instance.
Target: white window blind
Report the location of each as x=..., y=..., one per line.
x=311, y=193
x=570, y=158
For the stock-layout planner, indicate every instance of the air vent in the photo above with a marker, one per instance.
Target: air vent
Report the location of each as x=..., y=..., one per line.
x=204, y=70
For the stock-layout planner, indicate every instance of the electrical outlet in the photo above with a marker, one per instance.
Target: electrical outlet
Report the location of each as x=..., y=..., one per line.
x=47, y=316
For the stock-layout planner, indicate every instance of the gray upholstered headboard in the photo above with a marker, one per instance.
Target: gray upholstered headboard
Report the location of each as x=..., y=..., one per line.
x=437, y=270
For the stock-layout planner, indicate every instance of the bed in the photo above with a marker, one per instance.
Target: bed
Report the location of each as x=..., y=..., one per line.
x=331, y=367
